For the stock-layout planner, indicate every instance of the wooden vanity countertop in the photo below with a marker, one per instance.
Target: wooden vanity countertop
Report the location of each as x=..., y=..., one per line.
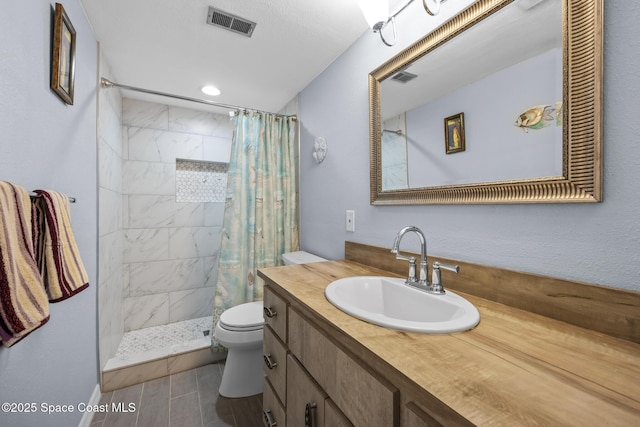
x=515, y=368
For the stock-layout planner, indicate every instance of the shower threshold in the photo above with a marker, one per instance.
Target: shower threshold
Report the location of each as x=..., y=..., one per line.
x=158, y=351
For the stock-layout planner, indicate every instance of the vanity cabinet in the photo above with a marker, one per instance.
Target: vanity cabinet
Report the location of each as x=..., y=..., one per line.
x=310, y=380
x=291, y=395
x=515, y=368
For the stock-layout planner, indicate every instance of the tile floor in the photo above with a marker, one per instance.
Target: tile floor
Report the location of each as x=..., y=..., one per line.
x=185, y=399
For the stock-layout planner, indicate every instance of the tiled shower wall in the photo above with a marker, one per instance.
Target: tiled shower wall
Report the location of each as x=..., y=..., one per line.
x=170, y=248
x=110, y=243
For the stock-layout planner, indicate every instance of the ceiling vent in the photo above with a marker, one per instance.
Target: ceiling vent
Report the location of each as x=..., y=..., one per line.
x=403, y=77
x=231, y=22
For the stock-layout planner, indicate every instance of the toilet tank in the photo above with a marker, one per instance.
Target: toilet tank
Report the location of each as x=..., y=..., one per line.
x=300, y=257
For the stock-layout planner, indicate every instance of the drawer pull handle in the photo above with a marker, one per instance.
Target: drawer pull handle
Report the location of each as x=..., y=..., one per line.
x=268, y=421
x=267, y=361
x=310, y=415
x=270, y=313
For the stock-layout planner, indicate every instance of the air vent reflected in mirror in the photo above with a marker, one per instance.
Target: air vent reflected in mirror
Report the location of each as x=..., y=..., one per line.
x=403, y=76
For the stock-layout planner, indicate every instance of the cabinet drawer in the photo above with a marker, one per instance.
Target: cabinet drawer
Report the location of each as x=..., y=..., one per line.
x=273, y=414
x=304, y=396
x=375, y=403
x=275, y=313
x=275, y=362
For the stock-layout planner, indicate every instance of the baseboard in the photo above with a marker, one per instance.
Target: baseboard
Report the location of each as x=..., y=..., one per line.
x=87, y=417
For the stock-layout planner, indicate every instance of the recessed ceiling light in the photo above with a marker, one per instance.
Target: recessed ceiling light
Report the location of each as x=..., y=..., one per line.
x=211, y=90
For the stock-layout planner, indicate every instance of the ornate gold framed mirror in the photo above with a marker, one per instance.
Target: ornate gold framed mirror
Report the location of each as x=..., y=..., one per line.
x=566, y=118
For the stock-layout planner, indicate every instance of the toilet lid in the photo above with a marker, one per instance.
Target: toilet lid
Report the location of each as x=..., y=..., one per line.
x=243, y=317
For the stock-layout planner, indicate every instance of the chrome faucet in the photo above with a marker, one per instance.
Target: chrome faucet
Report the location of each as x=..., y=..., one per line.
x=411, y=279
x=422, y=283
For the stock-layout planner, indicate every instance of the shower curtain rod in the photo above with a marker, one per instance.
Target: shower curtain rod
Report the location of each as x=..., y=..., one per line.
x=106, y=83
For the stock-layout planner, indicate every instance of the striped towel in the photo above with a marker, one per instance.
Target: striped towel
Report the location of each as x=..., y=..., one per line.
x=23, y=300
x=57, y=253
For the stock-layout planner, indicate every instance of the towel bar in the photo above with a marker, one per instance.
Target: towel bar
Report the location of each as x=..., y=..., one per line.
x=71, y=199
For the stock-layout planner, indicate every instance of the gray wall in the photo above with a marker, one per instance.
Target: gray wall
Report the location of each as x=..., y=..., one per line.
x=594, y=243
x=491, y=107
x=47, y=144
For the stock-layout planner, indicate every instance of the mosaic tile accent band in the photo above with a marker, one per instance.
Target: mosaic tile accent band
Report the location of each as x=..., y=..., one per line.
x=201, y=181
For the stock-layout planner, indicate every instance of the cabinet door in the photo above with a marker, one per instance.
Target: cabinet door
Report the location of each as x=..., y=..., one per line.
x=305, y=399
x=333, y=417
x=364, y=397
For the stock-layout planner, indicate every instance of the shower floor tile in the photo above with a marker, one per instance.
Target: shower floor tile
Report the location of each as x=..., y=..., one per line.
x=161, y=341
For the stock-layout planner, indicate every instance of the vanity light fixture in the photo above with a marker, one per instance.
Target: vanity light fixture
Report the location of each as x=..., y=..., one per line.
x=211, y=90
x=376, y=12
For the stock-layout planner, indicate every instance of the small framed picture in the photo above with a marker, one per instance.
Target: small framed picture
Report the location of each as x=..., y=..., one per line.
x=454, y=133
x=64, y=55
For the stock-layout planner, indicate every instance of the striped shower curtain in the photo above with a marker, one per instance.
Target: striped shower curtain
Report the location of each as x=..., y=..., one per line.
x=261, y=210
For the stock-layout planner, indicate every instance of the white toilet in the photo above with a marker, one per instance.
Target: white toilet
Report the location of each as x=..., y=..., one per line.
x=240, y=330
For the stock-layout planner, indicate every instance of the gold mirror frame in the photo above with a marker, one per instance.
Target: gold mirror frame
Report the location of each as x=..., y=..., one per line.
x=581, y=181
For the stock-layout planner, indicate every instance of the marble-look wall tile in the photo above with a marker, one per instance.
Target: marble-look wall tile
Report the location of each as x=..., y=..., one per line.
x=164, y=276
x=192, y=121
x=163, y=211
x=154, y=145
x=110, y=121
x=142, y=312
x=146, y=244
x=223, y=126
x=145, y=114
x=148, y=178
x=184, y=305
x=126, y=268
x=217, y=149
x=193, y=242
x=110, y=167
x=211, y=270
x=169, y=249
x=213, y=214
x=110, y=322
x=110, y=247
x=110, y=128
x=125, y=211
x=109, y=221
x=125, y=142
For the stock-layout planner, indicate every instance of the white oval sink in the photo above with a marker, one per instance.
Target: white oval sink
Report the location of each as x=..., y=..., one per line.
x=389, y=302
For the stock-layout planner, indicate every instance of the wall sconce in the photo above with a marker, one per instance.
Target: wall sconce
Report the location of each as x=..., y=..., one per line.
x=376, y=12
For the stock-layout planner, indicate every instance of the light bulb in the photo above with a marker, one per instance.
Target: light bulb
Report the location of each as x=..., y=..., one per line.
x=211, y=90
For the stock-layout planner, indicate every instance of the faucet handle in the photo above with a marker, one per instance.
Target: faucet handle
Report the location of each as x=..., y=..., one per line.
x=436, y=276
x=412, y=270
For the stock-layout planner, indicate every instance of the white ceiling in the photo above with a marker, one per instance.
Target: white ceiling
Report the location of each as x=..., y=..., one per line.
x=167, y=46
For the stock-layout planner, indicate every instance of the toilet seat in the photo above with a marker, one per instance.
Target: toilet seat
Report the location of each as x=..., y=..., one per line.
x=243, y=318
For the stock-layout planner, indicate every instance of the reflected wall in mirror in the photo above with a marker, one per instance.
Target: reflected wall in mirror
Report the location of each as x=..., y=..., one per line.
x=527, y=74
